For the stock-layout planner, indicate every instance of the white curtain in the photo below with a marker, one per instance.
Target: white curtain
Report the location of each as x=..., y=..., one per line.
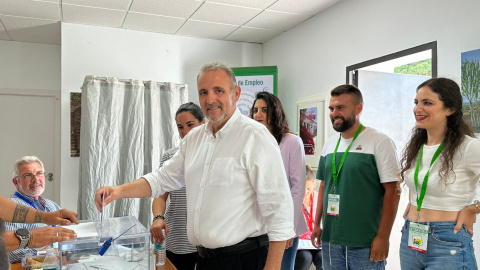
x=126, y=126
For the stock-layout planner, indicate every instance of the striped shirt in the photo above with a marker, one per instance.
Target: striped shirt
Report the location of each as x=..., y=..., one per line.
x=176, y=217
x=41, y=204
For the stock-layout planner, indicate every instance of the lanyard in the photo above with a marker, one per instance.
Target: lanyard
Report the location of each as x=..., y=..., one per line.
x=334, y=165
x=25, y=199
x=425, y=179
x=29, y=202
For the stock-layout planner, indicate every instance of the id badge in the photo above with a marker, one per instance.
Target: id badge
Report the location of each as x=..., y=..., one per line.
x=418, y=237
x=333, y=206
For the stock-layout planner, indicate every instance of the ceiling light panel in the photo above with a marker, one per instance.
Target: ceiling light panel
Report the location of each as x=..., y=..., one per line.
x=92, y=16
x=152, y=23
x=31, y=9
x=172, y=8
x=221, y=13
x=110, y=4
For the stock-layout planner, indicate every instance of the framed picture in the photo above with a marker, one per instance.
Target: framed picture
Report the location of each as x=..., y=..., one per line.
x=253, y=80
x=311, y=127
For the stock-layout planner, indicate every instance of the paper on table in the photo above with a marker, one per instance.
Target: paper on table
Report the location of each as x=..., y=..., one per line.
x=83, y=230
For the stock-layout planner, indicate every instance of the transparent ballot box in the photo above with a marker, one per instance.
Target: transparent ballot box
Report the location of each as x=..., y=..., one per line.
x=130, y=251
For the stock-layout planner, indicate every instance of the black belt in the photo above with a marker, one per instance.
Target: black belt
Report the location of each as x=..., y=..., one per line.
x=244, y=246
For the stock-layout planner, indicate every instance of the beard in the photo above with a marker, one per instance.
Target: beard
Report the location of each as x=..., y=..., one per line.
x=346, y=124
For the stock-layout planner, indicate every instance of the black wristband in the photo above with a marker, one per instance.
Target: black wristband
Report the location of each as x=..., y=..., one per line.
x=158, y=217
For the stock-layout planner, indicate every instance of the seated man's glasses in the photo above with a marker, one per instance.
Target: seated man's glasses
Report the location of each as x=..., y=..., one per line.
x=29, y=176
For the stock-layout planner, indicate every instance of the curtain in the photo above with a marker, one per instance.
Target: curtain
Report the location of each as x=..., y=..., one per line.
x=126, y=125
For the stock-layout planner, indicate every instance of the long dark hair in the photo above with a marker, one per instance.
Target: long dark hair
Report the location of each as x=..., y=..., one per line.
x=449, y=93
x=276, y=118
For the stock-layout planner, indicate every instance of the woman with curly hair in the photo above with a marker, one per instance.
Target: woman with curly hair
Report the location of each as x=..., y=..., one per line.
x=267, y=109
x=441, y=167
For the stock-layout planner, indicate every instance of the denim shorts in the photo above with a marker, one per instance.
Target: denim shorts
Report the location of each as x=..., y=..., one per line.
x=336, y=257
x=445, y=250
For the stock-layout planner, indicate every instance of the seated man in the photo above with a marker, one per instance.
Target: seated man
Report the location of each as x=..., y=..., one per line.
x=29, y=179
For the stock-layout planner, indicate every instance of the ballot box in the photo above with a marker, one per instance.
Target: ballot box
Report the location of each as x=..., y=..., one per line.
x=128, y=251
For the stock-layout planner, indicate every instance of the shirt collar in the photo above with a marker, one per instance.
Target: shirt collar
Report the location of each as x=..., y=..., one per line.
x=31, y=199
x=228, y=125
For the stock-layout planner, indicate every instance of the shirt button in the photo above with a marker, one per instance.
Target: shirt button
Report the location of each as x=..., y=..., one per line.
x=201, y=186
x=208, y=163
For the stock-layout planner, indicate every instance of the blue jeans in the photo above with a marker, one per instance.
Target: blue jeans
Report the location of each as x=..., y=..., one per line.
x=445, y=250
x=288, y=260
x=336, y=257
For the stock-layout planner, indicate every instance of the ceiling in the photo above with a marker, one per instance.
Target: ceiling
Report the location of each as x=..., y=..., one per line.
x=38, y=21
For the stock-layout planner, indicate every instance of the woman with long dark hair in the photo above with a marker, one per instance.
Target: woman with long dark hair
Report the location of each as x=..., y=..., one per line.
x=441, y=167
x=267, y=109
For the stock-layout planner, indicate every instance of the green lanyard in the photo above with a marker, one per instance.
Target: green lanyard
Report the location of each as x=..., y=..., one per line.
x=425, y=179
x=334, y=165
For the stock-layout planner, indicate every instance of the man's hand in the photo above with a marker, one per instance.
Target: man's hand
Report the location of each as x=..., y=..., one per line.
x=47, y=235
x=109, y=194
x=316, y=235
x=379, y=249
x=156, y=231
x=60, y=217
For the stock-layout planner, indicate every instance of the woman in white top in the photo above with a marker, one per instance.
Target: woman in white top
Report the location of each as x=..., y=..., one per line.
x=180, y=252
x=441, y=167
x=267, y=109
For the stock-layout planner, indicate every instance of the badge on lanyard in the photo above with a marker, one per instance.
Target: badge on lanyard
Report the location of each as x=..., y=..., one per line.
x=418, y=233
x=333, y=206
x=418, y=237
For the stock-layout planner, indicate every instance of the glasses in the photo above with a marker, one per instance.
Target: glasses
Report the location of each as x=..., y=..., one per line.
x=29, y=176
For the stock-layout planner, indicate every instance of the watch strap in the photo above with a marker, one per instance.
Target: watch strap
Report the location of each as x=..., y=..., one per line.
x=24, y=240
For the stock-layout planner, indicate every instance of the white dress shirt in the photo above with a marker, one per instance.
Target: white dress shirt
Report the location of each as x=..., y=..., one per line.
x=236, y=184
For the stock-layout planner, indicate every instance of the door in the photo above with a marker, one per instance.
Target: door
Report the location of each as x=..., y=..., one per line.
x=30, y=126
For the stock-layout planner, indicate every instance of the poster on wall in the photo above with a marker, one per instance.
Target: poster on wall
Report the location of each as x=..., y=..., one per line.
x=308, y=128
x=471, y=88
x=252, y=80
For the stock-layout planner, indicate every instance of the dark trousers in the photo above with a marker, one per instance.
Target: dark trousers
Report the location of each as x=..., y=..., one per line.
x=250, y=260
x=183, y=261
x=305, y=257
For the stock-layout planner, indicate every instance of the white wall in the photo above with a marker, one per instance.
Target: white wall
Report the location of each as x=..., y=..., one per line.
x=127, y=54
x=29, y=66
x=312, y=57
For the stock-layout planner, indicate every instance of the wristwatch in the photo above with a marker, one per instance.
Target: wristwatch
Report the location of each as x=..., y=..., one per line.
x=24, y=236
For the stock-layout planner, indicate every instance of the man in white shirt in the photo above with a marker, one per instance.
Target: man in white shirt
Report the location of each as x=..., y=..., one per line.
x=237, y=191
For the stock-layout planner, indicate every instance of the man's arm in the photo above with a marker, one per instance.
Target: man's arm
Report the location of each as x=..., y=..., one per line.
x=39, y=237
x=380, y=244
x=317, y=231
x=275, y=254
x=17, y=213
x=139, y=188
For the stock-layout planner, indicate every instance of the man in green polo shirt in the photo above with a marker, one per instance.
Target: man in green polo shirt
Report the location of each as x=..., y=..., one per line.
x=357, y=200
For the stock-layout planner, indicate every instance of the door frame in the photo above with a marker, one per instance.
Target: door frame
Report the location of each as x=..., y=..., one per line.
x=57, y=140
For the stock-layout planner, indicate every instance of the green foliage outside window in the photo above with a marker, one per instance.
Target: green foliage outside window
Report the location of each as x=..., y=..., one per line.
x=417, y=68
